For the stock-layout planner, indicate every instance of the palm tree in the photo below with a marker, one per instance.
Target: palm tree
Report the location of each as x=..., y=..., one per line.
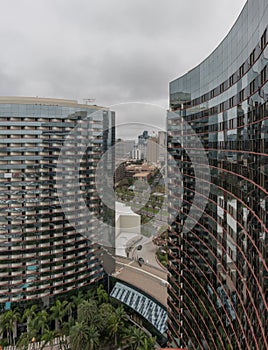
x=121, y=314
x=126, y=339
x=87, y=311
x=5, y=325
x=148, y=344
x=116, y=322
x=32, y=331
x=41, y=320
x=104, y=313
x=93, y=337
x=29, y=314
x=69, y=310
x=102, y=295
x=58, y=311
x=2, y=327
x=76, y=300
x=48, y=338
x=113, y=327
x=9, y=325
x=137, y=337
x=16, y=316
x=91, y=293
x=79, y=336
x=23, y=342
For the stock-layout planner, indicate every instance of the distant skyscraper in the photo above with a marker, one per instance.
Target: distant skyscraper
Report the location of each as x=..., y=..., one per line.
x=218, y=288
x=41, y=254
x=142, y=145
x=124, y=149
x=136, y=153
x=152, y=150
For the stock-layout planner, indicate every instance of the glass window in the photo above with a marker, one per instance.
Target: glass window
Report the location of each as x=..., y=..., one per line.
x=263, y=40
x=263, y=75
x=242, y=70
x=212, y=93
x=242, y=95
x=252, y=87
x=231, y=80
x=252, y=57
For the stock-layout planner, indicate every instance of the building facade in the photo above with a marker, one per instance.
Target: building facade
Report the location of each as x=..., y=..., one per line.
x=152, y=150
x=41, y=254
x=124, y=149
x=218, y=268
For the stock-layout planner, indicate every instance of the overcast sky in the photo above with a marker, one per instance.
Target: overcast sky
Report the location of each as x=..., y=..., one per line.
x=111, y=50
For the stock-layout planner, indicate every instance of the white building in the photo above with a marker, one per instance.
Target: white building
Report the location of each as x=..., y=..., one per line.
x=127, y=228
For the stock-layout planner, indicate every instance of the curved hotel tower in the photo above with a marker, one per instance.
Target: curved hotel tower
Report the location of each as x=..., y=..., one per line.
x=218, y=267
x=41, y=254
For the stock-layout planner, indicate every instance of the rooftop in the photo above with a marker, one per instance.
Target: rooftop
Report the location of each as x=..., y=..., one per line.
x=44, y=101
x=122, y=209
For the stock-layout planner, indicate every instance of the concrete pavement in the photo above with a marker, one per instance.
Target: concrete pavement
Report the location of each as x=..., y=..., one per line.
x=149, y=279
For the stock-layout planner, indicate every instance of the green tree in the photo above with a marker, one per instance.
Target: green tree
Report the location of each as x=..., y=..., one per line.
x=102, y=295
x=48, y=338
x=113, y=327
x=126, y=338
x=32, y=331
x=76, y=300
x=8, y=322
x=147, y=344
x=29, y=314
x=70, y=310
x=58, y=311
x=4, y=325
x=93, y=337
x=116, y=322
x=79, y=338
x=41, y=321
x=16, y=316
x=24, y=341
x=121, y=314
x=91, y=293
x=87, y=312
x=104, y=314
x=137, y=338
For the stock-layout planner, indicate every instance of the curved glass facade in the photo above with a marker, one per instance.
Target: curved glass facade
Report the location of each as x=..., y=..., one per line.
x=218, y=270
x=41, y=254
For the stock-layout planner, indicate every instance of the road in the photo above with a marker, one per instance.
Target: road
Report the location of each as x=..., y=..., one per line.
x=149, y=279
x=147, y=252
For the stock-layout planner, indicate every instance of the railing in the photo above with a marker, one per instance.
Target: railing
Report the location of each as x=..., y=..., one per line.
x=55, y=344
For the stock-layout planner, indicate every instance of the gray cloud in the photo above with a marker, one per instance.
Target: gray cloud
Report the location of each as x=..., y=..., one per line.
x=111, y=50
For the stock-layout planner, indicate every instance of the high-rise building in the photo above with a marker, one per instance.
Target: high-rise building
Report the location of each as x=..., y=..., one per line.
x=156, y=148
x=42, y=254
x=136, y=153
x=142, y=145
x=124, y=149
x=152, y=150
x=218, y=287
